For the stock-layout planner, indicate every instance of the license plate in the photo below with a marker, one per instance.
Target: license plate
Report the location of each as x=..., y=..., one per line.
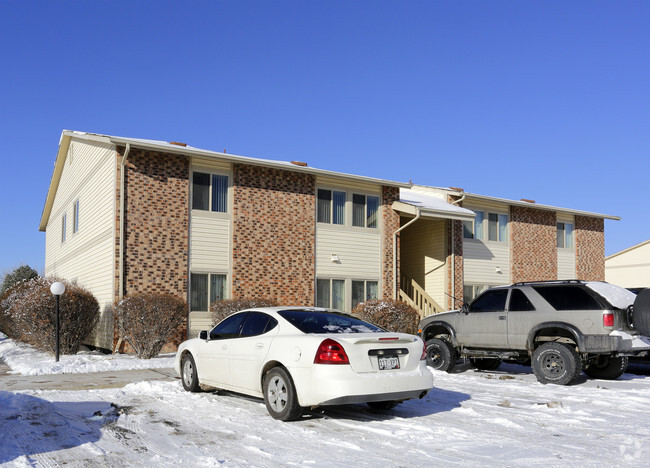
x=388, y=362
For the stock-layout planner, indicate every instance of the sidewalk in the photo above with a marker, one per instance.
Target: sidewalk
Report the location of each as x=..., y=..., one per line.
x=94, y=380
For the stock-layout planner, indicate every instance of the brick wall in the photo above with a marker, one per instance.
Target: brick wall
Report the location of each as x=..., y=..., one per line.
x=590, y=248
x=533, y=237
x=390, y=220
x=274, y=233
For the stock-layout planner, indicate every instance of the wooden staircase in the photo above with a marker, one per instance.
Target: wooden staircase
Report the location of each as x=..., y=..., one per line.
x=415, y=296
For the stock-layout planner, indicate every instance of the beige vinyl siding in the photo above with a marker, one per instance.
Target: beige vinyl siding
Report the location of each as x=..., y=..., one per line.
x=86, y=256
x=199, y=321
x=630, y=268
x=423, y=251
x=210, y=242
x=354, y=186
x=358, y=250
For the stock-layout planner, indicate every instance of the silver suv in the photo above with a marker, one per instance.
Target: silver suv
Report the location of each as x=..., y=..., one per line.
x=559, y=327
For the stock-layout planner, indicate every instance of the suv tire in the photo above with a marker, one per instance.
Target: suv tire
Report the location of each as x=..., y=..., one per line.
x=486, y=364
x=440, y=354
x=556, y=363
x=606, y=367
x=641, y=312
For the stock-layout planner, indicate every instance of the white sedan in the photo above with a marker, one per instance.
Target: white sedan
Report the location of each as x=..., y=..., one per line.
x=297, y=358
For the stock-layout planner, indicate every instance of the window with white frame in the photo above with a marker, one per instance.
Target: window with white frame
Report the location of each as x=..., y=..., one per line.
x=364, y=291
x=474, y=229
x=331, y=206
x=565, y=235
x=210, y=192
x=63, y=223
x=470, y=291
x=75, y=217
x=497, y=227
x=365, y=210
x=206, y=288
x=330, y=293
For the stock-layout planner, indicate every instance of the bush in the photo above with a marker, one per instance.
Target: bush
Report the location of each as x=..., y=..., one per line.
x=23, y=272
x=28, y=311
x=395, y=316
x=148, y=321
x=225, y=307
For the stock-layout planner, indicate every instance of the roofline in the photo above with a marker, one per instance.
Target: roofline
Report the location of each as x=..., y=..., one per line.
x=413, y=210
x=541, y=207
x=67, y=135
x=641, y=244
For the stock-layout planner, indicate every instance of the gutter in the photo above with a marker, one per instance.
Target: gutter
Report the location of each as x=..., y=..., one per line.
x=121, y=267
x=417, y=216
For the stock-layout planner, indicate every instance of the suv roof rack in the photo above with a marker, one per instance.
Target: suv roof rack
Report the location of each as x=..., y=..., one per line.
x=569, y=281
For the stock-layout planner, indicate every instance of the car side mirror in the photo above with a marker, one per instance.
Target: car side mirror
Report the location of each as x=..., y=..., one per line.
x=203, y=334
x=465, y=308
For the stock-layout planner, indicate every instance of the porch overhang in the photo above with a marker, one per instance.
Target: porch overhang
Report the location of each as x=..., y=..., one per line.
x=412, y=202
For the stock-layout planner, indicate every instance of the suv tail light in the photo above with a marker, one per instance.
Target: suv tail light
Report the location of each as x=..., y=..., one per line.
x=608, y=320
x=331, y=352
x=424, y=351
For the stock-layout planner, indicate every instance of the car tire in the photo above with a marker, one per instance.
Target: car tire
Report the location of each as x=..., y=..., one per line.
x=606, y=367
x=440, y=354
x=556, y=363
x=486, y=364
x=189, y=375
x=641, y=312
x=280, y=395
x=383, y=405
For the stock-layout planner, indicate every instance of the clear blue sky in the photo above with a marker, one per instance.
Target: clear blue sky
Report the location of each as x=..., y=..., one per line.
x=548, y=100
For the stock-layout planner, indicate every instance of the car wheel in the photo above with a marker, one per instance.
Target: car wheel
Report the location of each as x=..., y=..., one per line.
x=641, y=312
x=606, y=367
x=280, y=395
x=189, y=376
x=440, y=354
x=383, y=405
x=486, y=364
x=556, y=363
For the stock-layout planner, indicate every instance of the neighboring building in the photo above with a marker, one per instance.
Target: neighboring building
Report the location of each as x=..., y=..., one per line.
x=629, y=268
x=125, y=215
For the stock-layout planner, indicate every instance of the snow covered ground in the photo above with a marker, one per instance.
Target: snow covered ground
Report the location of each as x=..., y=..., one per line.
x=470, y=418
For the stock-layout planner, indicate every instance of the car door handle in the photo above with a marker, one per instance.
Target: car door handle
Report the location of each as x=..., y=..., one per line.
x=502, y=317
x=259, y=345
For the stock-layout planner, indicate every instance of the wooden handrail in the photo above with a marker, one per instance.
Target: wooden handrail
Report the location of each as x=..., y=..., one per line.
x=414, y=295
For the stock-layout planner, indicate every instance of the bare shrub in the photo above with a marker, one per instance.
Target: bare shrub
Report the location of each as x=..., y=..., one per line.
x=395, y=316
x=148, y=321
x=225, y=307
x=29, y=314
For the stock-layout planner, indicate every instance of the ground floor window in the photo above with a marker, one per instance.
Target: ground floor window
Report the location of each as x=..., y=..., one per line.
x=333, y=293
x=470, y=291
x=206, y=288
x=364, y=291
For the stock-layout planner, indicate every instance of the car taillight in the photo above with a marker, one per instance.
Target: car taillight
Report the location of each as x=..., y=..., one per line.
x=608, y=320
x=331, y=352
x=424, y=351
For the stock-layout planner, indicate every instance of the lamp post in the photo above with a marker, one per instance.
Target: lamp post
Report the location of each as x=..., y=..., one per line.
x=57, y=289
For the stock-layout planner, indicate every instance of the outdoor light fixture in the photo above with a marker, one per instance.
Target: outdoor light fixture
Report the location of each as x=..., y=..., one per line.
x=57, y=289
x=498, y=270
x=335, y=258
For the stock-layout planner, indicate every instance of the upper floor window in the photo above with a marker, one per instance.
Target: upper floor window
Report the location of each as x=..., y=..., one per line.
x=75, y=217
x=331, y=206
x=565, y=235
x=210, y=192
x=497, y=227
x=365, y=209
x=63, y=222
x=474, y=229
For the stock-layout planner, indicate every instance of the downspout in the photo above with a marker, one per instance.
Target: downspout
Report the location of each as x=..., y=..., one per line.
x=121, y=267
x=417, y=216
x=453, y=251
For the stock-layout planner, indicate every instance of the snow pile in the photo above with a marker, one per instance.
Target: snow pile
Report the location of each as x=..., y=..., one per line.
x=24, y=359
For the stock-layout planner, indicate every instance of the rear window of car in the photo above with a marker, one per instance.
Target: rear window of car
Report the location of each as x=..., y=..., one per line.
x=308, y=321
x=570, y=298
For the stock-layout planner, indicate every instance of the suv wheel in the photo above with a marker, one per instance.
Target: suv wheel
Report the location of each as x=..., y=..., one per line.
x=556, y=363
x=606, y=367
x=641, y=312
x=440, y=354
x=487, y=364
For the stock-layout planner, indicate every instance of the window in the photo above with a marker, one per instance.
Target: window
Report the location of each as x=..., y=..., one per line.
x=474, y=229
x=570, y=298
x=63, y=228
x=471, y=291
x=497, y=227
x=228, y=327
x=257, y=323
x=210, y=192
x=490, y=301
x=331, y=206
x=565, y=235
x=75, y=217
x=330, y=293
x=519, y=302
x=364, y=291
x=309, y=321
x=206, y=289
x=365, y=210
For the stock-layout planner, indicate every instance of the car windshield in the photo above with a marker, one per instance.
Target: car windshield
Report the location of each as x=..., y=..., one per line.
x=310, y=321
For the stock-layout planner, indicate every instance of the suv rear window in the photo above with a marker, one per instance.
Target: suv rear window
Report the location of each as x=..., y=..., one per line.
x=308, y=321
x=569, y=298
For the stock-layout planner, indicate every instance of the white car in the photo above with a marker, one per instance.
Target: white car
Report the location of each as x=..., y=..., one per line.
x=297, y=358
